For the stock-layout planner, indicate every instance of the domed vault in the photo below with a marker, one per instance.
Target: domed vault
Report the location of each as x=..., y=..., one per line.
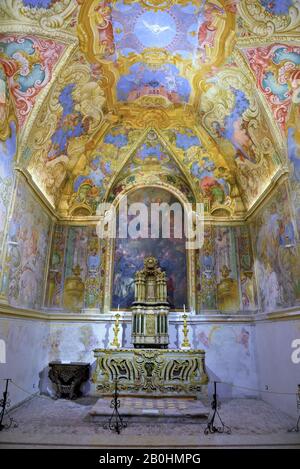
x=103, y=89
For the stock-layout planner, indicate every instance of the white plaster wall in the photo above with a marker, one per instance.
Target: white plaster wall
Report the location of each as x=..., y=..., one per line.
x=230, y=355
x=230, y=349
x=26, y=342
x=75, y=341
x=248, y=356
x=275, y=367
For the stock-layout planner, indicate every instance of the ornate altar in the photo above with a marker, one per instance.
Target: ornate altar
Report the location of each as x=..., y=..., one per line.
x=150, y=308
x=68, y=377
x=150, y=367
x=144, y=371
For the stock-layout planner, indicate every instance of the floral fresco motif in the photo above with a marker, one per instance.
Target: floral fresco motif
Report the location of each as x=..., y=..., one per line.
x=29, y=231
x=130, y=254
x=28, y=62
x=275, y=67
x=277, y=253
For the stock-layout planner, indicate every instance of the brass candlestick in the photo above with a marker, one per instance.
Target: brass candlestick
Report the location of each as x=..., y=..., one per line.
x=186, y=343
x=115, y=343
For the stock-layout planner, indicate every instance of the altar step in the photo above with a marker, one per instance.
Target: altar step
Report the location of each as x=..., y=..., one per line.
x=141, y=409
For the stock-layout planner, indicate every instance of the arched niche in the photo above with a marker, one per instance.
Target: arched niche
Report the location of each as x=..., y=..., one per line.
x=163, y=249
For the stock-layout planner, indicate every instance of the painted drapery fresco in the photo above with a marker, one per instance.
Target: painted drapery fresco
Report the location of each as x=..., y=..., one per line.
x=75, y=269
x=28, y=243
x=277, y=253
x=130, y=253
x=225, y=272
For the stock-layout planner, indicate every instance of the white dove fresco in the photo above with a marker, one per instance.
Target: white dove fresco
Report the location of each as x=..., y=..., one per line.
x=156, y=28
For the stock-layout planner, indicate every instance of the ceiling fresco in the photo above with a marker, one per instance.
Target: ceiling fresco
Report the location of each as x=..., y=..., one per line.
x=277, y=69
x=47, y=14
x=231, y=113
x=267, y=17
x=28, y=62
x=199, y=95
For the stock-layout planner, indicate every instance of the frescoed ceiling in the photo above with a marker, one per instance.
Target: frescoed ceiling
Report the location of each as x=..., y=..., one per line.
x=198, y=94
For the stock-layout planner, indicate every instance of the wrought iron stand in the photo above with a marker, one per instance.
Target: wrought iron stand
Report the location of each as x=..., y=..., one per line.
x=215, y=405
x=297, y=426
x=4, y=402
x=115, y=422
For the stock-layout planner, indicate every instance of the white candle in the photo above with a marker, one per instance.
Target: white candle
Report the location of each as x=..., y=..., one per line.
x=184, y=308
x=118, y=308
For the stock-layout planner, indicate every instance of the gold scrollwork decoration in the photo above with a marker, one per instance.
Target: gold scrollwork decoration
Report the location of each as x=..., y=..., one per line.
x=263, y=23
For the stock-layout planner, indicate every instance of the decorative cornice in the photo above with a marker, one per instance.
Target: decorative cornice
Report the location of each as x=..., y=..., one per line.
x=12, y=27
x=37, y=193
x=258, y=41
x=279, y=178
x=8, y=311
x=287, y=314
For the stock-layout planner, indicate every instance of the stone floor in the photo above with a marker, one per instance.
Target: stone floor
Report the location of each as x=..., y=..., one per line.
x=43, y=422
x=150, y=410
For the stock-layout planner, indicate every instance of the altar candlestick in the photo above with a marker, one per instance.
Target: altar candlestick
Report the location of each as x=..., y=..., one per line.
x=115, y=343
x=185, y=343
